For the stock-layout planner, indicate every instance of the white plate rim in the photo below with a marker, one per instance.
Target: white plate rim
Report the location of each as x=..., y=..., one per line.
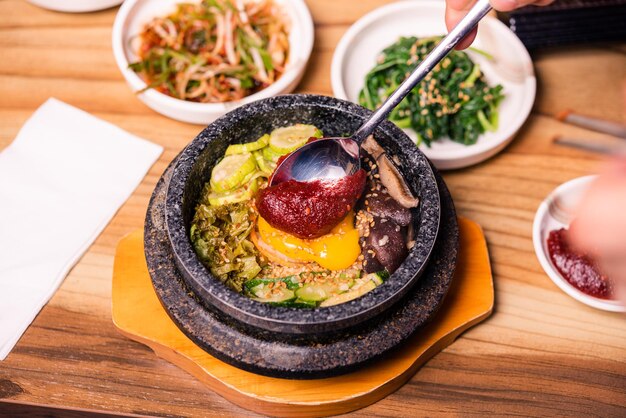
x=82, y=6
x=461, y=157
x=539, y=239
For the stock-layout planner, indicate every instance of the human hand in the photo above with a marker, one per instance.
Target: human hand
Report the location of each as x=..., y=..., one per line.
x=599, y=228
x=456, y=9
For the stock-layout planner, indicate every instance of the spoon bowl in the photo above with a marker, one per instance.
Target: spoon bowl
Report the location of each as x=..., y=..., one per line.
x=323, y=159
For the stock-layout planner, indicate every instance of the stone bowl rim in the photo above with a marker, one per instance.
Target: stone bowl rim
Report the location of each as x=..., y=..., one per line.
x=281, y=319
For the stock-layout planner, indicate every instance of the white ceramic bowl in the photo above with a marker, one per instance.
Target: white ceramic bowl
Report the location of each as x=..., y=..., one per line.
x=563, y=201
x=75, y=6
x=512, y=67
x=134, y=14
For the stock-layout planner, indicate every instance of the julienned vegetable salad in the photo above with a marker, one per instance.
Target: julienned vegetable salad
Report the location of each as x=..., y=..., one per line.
x=453, y=101
x=253, y=256
x=214, y=50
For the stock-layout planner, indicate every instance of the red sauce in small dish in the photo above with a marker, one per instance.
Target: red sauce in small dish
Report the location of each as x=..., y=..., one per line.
x=578, y=269
x=310, y=209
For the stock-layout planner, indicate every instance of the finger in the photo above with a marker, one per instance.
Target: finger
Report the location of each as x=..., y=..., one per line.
x=455, y=10
x=467, y=41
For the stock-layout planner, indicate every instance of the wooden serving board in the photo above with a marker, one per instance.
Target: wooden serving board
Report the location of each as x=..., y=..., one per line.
x=138, y=314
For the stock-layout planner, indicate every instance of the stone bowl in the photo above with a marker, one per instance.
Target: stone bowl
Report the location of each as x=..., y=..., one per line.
x=335, y=118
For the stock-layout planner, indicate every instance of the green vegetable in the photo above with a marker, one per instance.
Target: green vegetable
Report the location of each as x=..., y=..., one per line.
x=314, y=292
x=361, y=286
x=288, y=139
x=291, y=282
x=453, y=101
x=349, y=295
x=263, y=293
x=220, y=236
x=266, y=167
x=241, y=194
x=270, y=155
x=248, y=146
x=231, y=171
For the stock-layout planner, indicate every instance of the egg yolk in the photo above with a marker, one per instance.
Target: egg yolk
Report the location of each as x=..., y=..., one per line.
x=337, y=250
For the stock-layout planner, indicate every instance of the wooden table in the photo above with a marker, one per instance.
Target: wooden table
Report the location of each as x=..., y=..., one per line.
x=541, y=353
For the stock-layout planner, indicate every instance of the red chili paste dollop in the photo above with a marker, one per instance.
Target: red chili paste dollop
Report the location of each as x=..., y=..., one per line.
x=310, y=209
x=578, y=269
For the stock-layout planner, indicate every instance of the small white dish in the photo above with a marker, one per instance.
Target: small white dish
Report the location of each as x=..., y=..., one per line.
x=75, y=6
x=555, y=212
x=134, y=14
x=512, y=67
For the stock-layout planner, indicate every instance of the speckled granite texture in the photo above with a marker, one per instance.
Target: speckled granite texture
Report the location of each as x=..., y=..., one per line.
x=336, y=118
x=301, y=357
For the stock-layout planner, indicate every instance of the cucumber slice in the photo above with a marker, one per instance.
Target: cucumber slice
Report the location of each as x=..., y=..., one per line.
x=378, y=278
x=288, y=139
x=346, y=285
x=284, y=295
x=270, y=155
x=232, y=171
x=245, y=192
x=248, y=146
x=348, y=296
x=264, y=292
x=263, y=165
x=292, y=282
x=316, y=292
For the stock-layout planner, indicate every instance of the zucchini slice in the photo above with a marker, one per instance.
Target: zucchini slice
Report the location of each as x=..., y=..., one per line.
x=350, y=295
x=248, y=146
x=270, y=155
x=269, y=290
x=290, y=138
x=292, y=282
x=266, y=167
x=232, y=171
x=244, y=192
x=313, y=292
x=362, y=286
x=277, y=295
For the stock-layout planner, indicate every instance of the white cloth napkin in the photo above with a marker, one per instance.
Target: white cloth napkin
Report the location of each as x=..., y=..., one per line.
x=61, y=182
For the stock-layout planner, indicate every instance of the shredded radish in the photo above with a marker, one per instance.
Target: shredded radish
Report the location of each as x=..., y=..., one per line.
x=258, y=61
x=215, y=53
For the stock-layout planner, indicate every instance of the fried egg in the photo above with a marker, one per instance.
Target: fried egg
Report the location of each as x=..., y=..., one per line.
x=337, y=250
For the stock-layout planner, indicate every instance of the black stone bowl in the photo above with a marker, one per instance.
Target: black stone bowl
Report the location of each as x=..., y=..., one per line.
x=247, y=123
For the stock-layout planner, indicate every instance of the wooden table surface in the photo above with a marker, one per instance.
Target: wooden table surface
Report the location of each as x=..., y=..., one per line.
x=541, y=353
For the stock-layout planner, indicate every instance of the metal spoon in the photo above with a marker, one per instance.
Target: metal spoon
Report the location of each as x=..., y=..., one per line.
x=335, y=158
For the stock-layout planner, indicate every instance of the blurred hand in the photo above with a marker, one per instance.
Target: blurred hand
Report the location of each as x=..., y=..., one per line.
x=599, y=228
x=456, y=9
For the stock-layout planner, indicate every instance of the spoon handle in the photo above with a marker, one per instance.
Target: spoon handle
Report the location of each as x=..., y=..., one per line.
x=462, y=29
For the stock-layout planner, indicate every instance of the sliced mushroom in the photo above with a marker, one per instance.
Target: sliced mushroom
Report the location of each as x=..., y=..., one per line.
x=394, y=182
x=389, y=174
x=383, y=205
x=372, y=147
x=387, y=241
x=370, y=263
